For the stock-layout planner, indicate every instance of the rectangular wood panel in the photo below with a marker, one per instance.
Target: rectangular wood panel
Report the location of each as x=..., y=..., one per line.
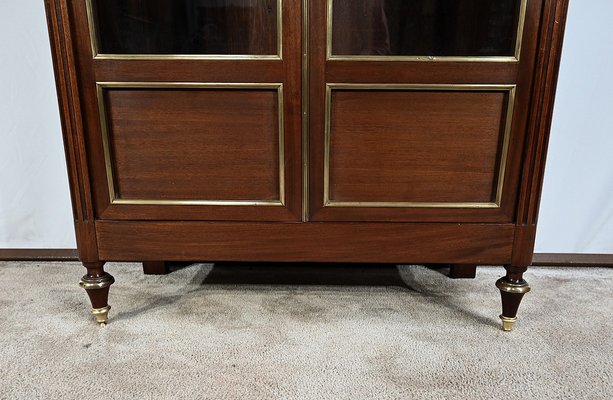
x=327, y=242
x=174, y=144
x=415, y=148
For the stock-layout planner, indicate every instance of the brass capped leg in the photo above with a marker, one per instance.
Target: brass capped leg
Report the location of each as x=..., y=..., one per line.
x=101, y=315
x=97, y=283
x=512, y=292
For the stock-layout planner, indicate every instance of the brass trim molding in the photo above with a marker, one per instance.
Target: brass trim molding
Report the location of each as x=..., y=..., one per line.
x=328, y=202
x=101, y=282
x=114, y=199
x=305, y=110
x=94, y=40
x=515, y=58
x=510, y=287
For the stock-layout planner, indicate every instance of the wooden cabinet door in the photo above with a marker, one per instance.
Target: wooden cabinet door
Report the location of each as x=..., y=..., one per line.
x=418, y=109
x=191, y=108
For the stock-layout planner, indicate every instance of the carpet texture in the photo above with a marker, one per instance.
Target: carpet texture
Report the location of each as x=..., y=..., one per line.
x=241, y=331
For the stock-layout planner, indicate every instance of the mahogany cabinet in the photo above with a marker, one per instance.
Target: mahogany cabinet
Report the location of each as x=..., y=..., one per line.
x=306, y=130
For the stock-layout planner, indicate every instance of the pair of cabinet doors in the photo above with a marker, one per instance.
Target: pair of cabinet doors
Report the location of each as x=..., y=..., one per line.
x=291, y=110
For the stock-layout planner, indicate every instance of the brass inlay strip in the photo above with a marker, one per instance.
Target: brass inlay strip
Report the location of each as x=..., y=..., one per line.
x=327, y=202
x=100, y=86
x=515, y=58
x=305, y=110
x=94, y=39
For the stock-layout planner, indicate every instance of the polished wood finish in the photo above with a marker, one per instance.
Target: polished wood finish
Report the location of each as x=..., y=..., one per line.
x=62, y=50
x=97, y=283
x=201, y=144
x=429, y=146
x=551, y=35
x=324, y=72
x=370, y=242
x=510, y=303
x=183, y=232
x=546, y=73
x=286, y=72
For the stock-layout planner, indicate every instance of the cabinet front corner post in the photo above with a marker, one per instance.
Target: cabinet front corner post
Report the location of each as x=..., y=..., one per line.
x=513, y=286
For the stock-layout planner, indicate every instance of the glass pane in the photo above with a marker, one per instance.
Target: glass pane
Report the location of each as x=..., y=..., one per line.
x=221, y=27
x=425, y=27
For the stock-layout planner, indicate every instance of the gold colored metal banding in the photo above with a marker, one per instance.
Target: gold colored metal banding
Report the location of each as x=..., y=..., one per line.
x=101, y=86
x=328, y=202
x=510, y=287
x=507, y=323
x=515, y=58
x=94, y=39
x=101, y=314
x=305, y=110
x=97, y=283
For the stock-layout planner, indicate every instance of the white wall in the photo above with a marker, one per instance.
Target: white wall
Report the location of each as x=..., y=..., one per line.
x=577, y=206
x=34, y=198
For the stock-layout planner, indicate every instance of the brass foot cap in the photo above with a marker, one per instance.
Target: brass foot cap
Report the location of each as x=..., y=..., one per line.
x=101, y=315
x=507, y=323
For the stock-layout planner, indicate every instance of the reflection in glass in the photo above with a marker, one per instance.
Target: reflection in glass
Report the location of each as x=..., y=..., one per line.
x=221, y=27
x=425, y=27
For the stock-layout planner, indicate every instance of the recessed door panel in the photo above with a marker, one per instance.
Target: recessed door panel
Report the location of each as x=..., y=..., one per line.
x=418, y=109
x=191, y=108
x=194, y=144
x=415, y=145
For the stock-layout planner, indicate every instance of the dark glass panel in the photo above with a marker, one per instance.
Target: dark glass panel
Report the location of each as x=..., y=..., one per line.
x=221, y=27
x=425, y=27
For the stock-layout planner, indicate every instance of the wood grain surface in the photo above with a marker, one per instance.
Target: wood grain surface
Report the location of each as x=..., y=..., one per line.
x=196, y=144
x=415, y=146
x=333, y=242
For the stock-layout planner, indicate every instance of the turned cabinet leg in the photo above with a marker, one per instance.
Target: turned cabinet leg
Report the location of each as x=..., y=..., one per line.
x=97, y=283
x=512, y=289
x=156, y=267
x=462, y=271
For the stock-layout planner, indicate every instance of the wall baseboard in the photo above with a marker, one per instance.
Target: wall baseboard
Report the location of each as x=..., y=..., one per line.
x=573, y=260
x=39, y=255
x=540, y=259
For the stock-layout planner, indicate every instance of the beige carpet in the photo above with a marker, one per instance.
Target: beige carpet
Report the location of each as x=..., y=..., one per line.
x=303, y=332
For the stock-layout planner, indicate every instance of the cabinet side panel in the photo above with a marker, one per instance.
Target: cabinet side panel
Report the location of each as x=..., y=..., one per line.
x=70, y=114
